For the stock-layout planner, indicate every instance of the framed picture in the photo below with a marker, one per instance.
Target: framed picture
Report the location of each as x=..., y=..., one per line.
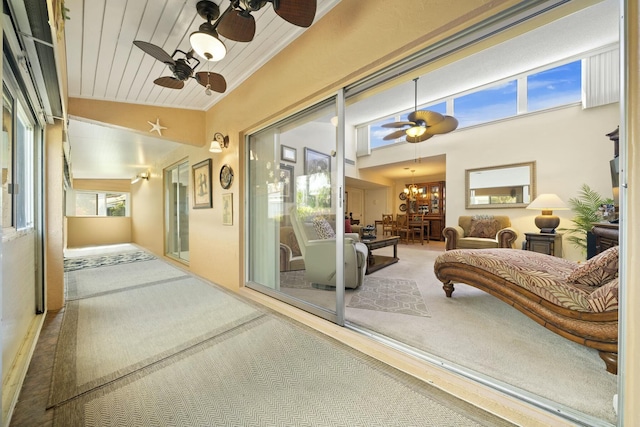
x=202, y=197
x=227, y=209
x=288, y=179
x=288, y=154
x=316, y=162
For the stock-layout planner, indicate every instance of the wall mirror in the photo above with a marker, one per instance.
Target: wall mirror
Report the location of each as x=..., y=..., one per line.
x=505, y=186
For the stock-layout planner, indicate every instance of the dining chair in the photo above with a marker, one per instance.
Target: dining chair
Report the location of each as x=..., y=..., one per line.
x=402, y=227
x=419, y=226
x=388, y=225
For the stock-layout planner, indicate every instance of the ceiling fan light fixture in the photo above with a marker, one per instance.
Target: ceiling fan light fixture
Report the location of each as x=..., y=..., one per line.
x=416, y=131
x=205, y=42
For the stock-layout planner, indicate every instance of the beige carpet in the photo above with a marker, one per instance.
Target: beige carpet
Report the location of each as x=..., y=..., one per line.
x=185, y=352
x=480, y=332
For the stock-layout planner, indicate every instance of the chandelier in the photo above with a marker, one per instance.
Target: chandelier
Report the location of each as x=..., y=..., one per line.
x=412, y=191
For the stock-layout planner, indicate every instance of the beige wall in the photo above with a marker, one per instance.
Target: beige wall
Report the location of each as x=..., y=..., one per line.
x=116, y=185
x=54, y=242
x=96, y=231
x=185, y=126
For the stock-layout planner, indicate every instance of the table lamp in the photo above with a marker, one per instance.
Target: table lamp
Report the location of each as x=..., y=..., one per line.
x=547, y=203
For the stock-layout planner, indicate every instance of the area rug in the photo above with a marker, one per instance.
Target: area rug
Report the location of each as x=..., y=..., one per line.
x=108, y=336
x=400, y=296
x=270, y=372
x=90, y=282
x=77, y=263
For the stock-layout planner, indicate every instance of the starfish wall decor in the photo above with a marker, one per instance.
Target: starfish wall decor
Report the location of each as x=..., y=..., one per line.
x=155, y=127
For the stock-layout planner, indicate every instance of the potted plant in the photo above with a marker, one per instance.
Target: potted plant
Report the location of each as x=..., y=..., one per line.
x=586, y=208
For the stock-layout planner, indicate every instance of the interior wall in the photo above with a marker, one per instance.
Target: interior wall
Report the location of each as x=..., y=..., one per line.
x=97, y=230
x=115, y=185
x=54, y=217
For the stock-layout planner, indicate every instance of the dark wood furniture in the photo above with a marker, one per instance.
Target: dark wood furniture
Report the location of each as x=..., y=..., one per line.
x=430, y=201
x=607, y=236
x=376, y=262
x=544, y=243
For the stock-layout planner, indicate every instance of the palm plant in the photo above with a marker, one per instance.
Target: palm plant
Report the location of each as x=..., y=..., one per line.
x=586, y=207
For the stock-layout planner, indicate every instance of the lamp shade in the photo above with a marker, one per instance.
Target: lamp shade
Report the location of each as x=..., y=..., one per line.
x=547, y=203
x=215, y=147
x=207, y=44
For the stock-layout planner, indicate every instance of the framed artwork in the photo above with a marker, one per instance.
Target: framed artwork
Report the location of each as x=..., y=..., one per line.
x=316, y=162
x=202, y=197
x=227, y=209
x=288, y=179
x=288, y=154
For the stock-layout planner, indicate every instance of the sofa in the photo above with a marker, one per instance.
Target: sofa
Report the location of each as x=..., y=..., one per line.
x=480, y=232
x=578, y=301
x=316, y=239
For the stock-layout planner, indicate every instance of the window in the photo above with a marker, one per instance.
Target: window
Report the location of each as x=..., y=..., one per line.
x=17, y=160
x=554, y=87
x=493, y=103
x=99, y=204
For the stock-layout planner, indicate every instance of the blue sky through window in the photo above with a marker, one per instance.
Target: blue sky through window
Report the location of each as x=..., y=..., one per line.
x=493, y=103
x=557, y=86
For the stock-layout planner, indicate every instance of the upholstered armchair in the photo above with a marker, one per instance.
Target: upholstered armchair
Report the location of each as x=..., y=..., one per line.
x=480, y=232
x=318, y=248
x=290, y=254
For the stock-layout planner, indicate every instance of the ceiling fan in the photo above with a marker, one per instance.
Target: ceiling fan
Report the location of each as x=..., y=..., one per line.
x=237, y=23
x=422, y=124
x=182, y=69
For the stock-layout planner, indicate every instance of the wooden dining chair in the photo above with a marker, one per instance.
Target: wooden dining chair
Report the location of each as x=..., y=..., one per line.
x=388, y=225
x=402, y=227
x=418, y=226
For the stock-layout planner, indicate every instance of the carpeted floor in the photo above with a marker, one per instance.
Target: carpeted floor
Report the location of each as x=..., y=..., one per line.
x=182, y=351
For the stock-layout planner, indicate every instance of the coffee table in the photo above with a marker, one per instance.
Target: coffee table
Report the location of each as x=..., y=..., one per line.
x=376, y=262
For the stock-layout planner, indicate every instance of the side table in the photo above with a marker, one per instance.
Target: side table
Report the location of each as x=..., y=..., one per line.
x=544, y=243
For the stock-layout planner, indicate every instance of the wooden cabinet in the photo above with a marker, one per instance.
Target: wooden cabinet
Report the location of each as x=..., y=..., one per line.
x=607, y=236
x=544, y=243
x=430, y=200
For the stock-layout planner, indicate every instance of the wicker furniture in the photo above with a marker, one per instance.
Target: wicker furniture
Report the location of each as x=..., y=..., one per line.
x=577, y=301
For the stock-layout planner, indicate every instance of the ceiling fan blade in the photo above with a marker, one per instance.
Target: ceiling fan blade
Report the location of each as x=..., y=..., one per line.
x=397, y=124
x=237, y=25
x=169, y=82
x=297, y=12
x=215, y=81
x=395, y=135
x=155, y=51
x=430, y=117
x=415, y=139
x=447, y=125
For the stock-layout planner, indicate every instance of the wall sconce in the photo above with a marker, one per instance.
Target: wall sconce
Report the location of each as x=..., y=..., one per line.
x=142, y=175
x=219, y=142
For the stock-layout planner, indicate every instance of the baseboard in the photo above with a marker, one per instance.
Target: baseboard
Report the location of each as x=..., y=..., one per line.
x=13, y=384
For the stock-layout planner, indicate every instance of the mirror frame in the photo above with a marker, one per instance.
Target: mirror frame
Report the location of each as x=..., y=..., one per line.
x=532, y=185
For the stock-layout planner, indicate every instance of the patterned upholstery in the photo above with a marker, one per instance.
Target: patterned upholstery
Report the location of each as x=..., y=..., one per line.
x=597, y=271
x=543, y=275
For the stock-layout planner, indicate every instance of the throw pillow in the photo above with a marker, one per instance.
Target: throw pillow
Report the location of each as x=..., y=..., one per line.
x=347, y=226
x=605, y=298
x=598, y=270
x=484, y=228
x=323, y=228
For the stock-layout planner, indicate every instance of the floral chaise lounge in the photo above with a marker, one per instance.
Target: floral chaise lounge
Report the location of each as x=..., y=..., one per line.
x=578, y=301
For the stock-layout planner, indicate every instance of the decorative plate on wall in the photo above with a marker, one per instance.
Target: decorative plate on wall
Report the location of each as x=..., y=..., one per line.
x=226, y=177
x=403, y=196
x=403, y=207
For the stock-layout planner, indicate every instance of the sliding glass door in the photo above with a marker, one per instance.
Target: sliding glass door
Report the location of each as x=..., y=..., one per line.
x=296, y=230
x=176, y=181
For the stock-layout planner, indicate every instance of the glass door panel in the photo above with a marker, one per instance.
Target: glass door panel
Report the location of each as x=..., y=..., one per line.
x=295, y=210
x=176, y=180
